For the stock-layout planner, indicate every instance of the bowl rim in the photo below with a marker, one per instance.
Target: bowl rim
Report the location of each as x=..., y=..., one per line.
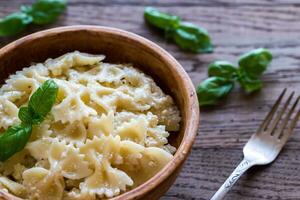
x=192, y=117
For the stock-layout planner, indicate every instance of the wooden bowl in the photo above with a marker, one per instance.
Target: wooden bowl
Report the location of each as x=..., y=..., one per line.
x=119, y=46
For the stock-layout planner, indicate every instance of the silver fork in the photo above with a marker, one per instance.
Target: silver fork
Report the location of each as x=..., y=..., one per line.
x=265, y=145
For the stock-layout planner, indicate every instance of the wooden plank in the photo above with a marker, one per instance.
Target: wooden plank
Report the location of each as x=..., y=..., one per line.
x=206, y=169
x=236, y=27
x=170, y=3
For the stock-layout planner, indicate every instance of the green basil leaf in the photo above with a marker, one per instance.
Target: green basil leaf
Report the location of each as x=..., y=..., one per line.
x=193, y=38
x=14, y=140
x=45, y=11
x=222, y=69
x=254, y=63
x=43, y=99
x=212, y=89
x=249, y=84
x=28, y=116
x=25, y=115
x=14, y=23
x=160, y=19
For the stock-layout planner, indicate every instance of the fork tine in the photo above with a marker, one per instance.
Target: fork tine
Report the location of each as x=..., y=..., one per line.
x=286, y=136
x=280, y=114
x=269, y=117
x=293, y=124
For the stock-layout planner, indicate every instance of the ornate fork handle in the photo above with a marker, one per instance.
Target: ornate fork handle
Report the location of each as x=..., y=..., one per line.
x=236, y=174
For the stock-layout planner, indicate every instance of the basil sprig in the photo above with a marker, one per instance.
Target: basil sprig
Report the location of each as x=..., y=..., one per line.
x=41, y=12
x=40, y=104
x=186, y=35
x=223, y=76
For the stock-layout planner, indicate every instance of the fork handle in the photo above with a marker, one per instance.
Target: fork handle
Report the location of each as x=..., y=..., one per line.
x=236, y=174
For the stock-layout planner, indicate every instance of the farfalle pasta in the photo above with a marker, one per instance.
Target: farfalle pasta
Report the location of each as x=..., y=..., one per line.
x=107, y=132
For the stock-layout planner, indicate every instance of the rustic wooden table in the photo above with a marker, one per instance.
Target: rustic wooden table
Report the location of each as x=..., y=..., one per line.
x=236, y=27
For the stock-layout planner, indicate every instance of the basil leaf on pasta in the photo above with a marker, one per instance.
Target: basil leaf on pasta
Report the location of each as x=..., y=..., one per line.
x=43, y=98
x=14, y=140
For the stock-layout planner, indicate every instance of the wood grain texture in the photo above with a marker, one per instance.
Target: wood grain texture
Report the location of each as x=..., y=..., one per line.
x=236, y=27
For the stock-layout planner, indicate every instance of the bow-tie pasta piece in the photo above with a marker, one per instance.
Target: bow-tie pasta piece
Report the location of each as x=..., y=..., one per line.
x=74, y=166
x=135, y=130
x=106, y=146
x=27, y=85
x=39, y=149
x=12, y=95
x=61, y=65
x=96, y=98
x=131, y=154
x=142, y=163
x=57, y=152
x=101, y=126
x=38, y=72
x=119, y=101
x=100, y=90
x=100, y=105
x=153, y=160
x=106, y=181
x=42, y=184
x=72, y=109
x=156, y=135
x=110, y=74
x=67, y=160
x=137, y=86
x=123, y=101
x=74, y=133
